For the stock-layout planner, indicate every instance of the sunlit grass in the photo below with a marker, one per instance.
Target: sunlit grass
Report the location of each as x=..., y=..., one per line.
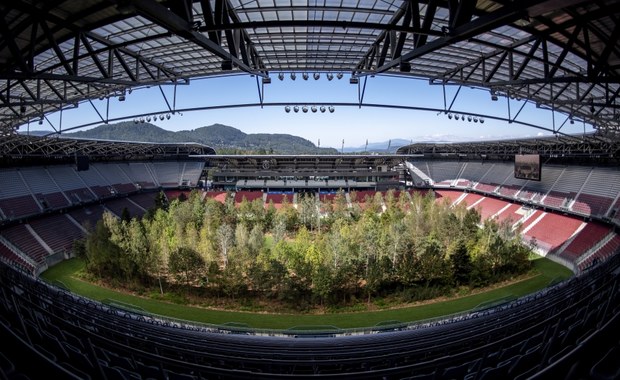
x=544, y=272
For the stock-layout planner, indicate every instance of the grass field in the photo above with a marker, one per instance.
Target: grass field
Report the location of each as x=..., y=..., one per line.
x=545, y=272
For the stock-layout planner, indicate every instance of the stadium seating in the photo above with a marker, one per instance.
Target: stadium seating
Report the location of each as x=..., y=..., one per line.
x=552, y=230
x=565, y=329
x=57, y=231
x=117, y=206
x=249, y=196
x=587, y=238
x=278, y=198
x=22, y=238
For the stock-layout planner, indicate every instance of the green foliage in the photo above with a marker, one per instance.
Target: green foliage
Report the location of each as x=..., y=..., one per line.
x=413, y=246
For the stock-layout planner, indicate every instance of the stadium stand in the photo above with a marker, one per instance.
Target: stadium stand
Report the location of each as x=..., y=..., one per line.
x=552, y=230
x=71, y=184
x=278, y=198
x=144, y=200
x=44, y=188
x=219, y=196
x=24, y=239
x=88, y=216
x=117, y=206
x=512, y=213
x=249, y=196
x=57, y=231
x=562, y=329
x=490, y=206
x=584, y=240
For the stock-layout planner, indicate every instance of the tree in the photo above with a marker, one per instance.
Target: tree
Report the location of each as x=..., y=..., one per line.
x=461, y=263
x=225, y=238
x=186, y=264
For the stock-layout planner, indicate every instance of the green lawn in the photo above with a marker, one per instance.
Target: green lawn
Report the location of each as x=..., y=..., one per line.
x=547, y=272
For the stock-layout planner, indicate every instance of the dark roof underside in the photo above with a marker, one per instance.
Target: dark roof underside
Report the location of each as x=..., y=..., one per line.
x=560, y=54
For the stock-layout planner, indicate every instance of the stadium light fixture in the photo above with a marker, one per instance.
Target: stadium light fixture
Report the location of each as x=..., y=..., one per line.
x=322, y=109
x=481, y=120
x=450, y=116
x=456, y=116
x=475, y=119
x=313, y=108
x=331, y=109
x=305, y=76
x=281, y=76
x=330, y=76
x=339, y=76
x=135, y=121
x=293, y=76
x=305, y=109
x=267, y=80
x=316, y=76
x=161, y=117
x=354, y=80
x=296, y=109
x=493, y=96
x=287, y=109
x=168, y=116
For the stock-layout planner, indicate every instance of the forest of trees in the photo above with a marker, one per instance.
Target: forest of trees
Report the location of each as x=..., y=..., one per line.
x=315, y=254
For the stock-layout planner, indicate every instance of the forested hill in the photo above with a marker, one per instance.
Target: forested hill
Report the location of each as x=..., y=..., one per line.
x=224, y=139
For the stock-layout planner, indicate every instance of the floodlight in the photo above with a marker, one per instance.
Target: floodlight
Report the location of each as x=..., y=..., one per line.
x=493, y=96
x=354, y=80
x=281, y=76
x=481, y=120
x=330, y=76
x=475, y=119
x=161, y=117
x=456, y=116
x=572, y=121
x=339, y=75
x=293, y=76
x=148, y=119
x=313, y=108
x=287, y=109
x=168, y=116
x=266, y=80
x=135, y=121
x=305, y=109
x=316, y=76
x=331, y=109
x=141, y=119
x=450, y=116
x=296, y=109
x=323, y=109
x=469, y=118
x=40, y=121
x=305, y=76
x=121, y=98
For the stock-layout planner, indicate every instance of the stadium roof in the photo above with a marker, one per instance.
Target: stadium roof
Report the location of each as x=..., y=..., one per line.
x=18, y=146
x=591, y=145
x=559, y=54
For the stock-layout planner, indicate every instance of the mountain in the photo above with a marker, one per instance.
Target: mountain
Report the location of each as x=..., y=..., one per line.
x=379, y=147
x=223, y=138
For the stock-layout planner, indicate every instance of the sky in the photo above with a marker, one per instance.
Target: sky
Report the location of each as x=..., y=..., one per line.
x=353, y=124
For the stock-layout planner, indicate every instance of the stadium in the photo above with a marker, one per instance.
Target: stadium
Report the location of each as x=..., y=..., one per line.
x=562, y=190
